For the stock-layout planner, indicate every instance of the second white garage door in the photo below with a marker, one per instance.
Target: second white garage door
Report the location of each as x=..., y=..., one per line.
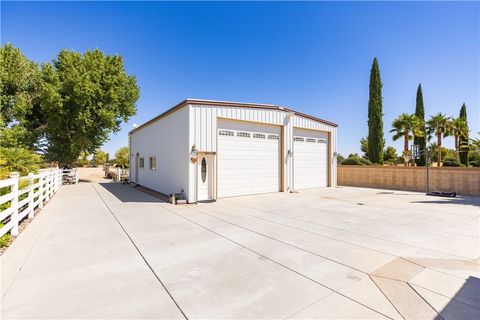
x=310, y=168
x=248, y=158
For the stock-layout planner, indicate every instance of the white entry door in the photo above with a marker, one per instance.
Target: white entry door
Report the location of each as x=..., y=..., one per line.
x=205, y=177
x=248, y=158
x=310, y=167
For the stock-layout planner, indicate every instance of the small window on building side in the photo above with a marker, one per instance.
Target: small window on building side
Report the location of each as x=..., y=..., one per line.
x=272, y=137
x=153, y=163
x=311, y=140
x=300, y=139
x=142, y=162
x=258, y=136
x=322, y=141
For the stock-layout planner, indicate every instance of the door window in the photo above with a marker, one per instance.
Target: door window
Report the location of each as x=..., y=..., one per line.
x=204, y=170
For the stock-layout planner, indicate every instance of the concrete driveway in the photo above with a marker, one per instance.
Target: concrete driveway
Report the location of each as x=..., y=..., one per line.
x=106, y=250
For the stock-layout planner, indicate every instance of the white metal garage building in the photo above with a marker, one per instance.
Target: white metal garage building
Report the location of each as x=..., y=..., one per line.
x=213, y=149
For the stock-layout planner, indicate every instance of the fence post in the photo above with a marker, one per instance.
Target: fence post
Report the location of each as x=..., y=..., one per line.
x=51, y=178
x=40, y=189
x=14, y=204
x=54, y=179
x=47, y=187
x=47, y=195
x=55, y=175
x=59, y=178
x=30, y=196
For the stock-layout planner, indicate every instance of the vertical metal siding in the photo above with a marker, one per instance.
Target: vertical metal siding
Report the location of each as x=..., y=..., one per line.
x=203, y=125
x=166, y=139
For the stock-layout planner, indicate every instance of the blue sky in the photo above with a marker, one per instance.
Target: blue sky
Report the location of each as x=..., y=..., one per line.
x=314, y=57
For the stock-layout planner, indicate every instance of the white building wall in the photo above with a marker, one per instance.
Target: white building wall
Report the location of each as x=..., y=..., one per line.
x=203, y=134
x=166, y=139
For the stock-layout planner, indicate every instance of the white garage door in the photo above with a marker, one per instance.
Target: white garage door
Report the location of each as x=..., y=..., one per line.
x=309, y=159
x=248, y=158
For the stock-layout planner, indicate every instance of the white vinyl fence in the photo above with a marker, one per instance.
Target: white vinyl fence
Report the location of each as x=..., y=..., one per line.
x=41, y=187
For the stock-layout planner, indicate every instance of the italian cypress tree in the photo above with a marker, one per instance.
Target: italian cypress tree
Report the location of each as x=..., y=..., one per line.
x=420, y=113
x=463, y=141
x=375, y=120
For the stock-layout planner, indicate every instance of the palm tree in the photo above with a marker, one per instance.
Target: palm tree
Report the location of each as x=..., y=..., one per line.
x=476, y=142
x=406, y=126
x=18, y=159
x=439, y=125
x=458, y=128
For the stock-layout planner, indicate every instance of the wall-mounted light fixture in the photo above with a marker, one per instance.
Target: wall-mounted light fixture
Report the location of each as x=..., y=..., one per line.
x=289, y=153
x=336, y=154
x=193, y=151
x=193, y=154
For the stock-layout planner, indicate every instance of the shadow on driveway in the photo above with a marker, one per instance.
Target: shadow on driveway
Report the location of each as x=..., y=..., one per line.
x=464, y=200
x=129, y=193
x=460, y=307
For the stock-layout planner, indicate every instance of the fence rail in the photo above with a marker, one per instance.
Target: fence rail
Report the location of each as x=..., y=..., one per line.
x=23, y=202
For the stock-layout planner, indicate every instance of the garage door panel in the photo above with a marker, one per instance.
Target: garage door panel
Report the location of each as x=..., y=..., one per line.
x=310, y=159
x=247, y=165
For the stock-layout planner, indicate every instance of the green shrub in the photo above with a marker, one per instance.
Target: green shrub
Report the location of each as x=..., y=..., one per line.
x=351, y=161
x=365, y=162
x=474, y=158
x=451, y=162
x=400, y=160
x=390, y=162
x=5, y=239
x=389, y=154
x=355, y=161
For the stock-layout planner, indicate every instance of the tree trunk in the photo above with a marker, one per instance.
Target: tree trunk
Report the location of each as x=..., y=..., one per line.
x=439, y=143
x=457, y=147
x=405, y=149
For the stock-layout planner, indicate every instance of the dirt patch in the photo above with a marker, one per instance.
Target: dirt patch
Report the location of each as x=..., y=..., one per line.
x=95, y=174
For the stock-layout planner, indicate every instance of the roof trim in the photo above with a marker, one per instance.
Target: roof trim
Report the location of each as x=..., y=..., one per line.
x=228, y=104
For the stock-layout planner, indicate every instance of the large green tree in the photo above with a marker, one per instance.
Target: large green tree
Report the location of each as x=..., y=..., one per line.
x=463, y=141
x=122, y=157
x=420, y=140
x=100, y=157
x=85, y=98
x=20, y=90
x=375, y=116
x=390, y=153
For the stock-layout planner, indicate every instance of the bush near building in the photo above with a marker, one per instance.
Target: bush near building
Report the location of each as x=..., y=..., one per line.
x=355, y=160
x=452, y=162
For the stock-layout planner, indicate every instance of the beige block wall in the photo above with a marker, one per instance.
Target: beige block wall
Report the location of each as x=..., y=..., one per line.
x=460, y=180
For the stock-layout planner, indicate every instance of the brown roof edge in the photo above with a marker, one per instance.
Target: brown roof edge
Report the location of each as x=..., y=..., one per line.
x=301, y=114
x=228, y=104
